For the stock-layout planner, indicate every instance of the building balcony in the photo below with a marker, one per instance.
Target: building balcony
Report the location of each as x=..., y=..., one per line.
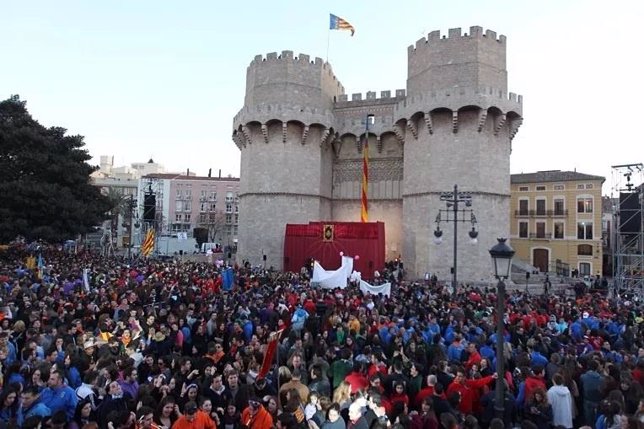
x=540, y=236
x=541, y=213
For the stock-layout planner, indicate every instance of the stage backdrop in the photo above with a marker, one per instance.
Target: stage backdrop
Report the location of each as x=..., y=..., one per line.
x=323, y=241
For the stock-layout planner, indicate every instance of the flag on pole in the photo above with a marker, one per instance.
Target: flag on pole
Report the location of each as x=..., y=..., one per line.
x=227, y=278
x=30, y=262
x=337, y=23
x=273, y=342
x=148, y=243
x=364, y=212
x=41, y=265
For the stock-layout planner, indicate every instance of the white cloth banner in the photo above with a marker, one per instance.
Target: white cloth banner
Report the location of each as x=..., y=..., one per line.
x=384, y=288
x=335, y=278
x=86, y=279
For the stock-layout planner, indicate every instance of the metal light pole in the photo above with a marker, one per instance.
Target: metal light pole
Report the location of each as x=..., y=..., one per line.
x=134, y=224
x=452, y=215
x=502, y=255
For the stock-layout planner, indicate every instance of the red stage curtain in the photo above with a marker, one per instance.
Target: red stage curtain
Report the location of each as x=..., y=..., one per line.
x=366, y=240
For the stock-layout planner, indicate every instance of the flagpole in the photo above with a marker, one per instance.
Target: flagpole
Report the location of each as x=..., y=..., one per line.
x=328, y=42
x=277, y=367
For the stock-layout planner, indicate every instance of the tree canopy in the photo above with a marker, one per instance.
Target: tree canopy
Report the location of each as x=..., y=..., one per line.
x=45, y=188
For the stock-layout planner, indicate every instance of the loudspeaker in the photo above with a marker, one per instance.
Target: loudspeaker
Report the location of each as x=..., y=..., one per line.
x=201, y=235
x=630, y=215
x=149, y=207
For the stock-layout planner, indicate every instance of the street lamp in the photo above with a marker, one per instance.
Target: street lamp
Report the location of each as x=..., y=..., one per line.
x=502, y=255
x=452, y=199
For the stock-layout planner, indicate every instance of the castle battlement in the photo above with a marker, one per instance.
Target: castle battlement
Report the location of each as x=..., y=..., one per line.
x=455, y=34
x=489, y=92
x=288, y=79
x=288, y=56
x=264, y=113
x=457, y=98
x=303, y=61
x=344, y=100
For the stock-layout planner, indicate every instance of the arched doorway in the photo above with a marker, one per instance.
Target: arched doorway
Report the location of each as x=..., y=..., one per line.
x=540, y=259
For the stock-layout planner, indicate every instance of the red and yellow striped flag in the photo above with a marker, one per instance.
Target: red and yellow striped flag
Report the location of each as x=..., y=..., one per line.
x=364, y=212
x=148, y=243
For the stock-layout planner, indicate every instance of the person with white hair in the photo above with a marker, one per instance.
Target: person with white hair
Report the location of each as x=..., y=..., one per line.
x=356, y=419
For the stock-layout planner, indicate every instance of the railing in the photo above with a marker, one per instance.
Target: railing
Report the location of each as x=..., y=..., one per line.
x=544, y=236
x=541, y=213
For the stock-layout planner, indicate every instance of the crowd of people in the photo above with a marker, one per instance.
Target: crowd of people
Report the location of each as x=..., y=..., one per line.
x=90, y=342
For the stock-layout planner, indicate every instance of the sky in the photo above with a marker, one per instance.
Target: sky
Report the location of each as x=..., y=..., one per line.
x=163, y=79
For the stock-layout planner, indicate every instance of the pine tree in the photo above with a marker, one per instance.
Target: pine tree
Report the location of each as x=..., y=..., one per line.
x=45, y=188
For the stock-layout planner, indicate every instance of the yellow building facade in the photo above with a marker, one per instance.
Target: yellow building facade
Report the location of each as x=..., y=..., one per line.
x=556, y=221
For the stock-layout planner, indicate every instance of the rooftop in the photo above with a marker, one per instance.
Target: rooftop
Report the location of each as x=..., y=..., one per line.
x=552, y=176
x=186, y=177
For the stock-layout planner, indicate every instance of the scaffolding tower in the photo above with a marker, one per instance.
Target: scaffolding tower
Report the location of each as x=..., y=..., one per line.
x=627, y=197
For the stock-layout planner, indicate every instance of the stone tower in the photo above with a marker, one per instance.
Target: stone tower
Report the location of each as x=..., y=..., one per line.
x=283, y=133
x=300, y=140
x=458, y=120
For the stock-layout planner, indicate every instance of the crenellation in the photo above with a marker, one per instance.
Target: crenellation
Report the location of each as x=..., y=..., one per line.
x=400, y=93
x=319, y=61
x=434, y=38
x=455, y=98
x=287, y=55
x=361, y=99
x=271, y=56
x=476, y=31
x=453, y=33
x=304, y=58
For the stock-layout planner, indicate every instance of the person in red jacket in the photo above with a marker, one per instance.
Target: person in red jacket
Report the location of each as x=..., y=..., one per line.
x=533, y=382
x=426, y=392
x=399, y=394
x=255, y=416
x=475, y=357
x=468, y=389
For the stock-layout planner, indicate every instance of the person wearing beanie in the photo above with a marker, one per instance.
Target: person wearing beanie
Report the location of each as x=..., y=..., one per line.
x=255, y=416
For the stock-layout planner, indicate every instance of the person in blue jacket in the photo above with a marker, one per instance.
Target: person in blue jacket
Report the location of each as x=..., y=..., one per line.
x=32, y=405
x=58, y=396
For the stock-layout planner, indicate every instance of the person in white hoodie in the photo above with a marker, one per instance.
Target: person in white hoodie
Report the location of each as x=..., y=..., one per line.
x=560, y=399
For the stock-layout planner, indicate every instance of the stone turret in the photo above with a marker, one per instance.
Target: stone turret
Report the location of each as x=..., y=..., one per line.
x=458, y=122
x=284, y=132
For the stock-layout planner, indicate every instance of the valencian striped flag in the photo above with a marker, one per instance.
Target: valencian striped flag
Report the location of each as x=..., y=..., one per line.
x=364, y=212
x=337, y=23
x=148, y=243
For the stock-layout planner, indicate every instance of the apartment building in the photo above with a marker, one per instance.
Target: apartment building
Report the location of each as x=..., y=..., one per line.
x=556, y=221
x=185, y=202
